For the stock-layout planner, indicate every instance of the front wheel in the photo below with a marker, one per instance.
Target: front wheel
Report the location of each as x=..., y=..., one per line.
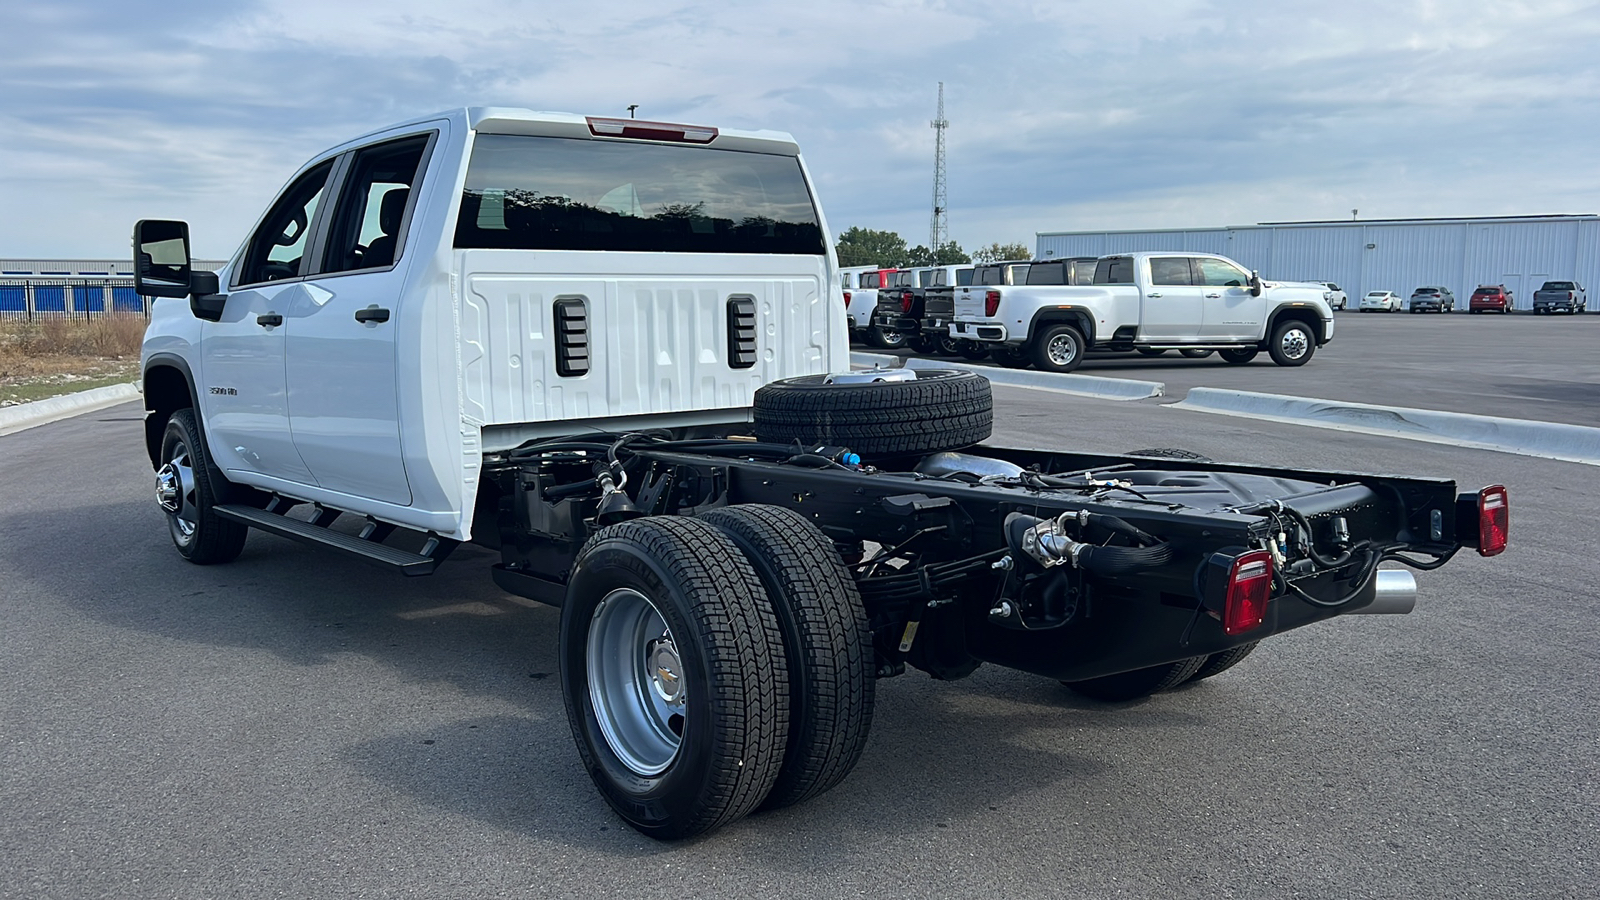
x=188, y=489
x=1059, y=349
x=1293, y=344
x=674, y=675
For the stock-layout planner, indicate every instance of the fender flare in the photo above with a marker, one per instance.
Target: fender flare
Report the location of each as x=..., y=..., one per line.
x=156, y=411
x=1077, y=316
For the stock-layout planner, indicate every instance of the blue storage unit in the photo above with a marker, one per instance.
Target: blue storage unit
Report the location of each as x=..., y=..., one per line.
x=123, y=299
x=89, y=298
x=13, y=299
x=49, y=298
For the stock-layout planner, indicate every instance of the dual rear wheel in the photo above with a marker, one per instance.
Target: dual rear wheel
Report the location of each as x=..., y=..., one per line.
x=714, y=666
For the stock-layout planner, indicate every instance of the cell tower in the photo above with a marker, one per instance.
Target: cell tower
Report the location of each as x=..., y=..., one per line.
x=939, y=232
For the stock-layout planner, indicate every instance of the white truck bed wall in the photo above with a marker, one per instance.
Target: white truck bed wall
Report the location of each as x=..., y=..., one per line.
x=658, y=339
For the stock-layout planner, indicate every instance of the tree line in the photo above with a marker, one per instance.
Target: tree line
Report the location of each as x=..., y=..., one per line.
x=888, y=250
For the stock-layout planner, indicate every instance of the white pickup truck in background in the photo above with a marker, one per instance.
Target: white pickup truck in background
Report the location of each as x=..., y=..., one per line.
x=1148, y=302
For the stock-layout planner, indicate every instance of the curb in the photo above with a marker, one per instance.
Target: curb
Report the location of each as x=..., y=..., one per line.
x=42, y=412
x=1077, y=385
x=1524, y=437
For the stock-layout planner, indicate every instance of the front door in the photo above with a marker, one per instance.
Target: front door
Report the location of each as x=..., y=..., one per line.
x=1171, y=310
x=242, y=391
x=1232, y=313
x=341, y=350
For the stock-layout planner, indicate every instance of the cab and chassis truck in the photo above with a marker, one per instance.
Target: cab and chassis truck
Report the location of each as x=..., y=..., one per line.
x=613, y=351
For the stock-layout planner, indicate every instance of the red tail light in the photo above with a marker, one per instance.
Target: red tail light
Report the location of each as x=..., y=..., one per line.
x=1494, y=520
x=905, y=302
x=846, y=299
x=1249, y=589
x=991, y=303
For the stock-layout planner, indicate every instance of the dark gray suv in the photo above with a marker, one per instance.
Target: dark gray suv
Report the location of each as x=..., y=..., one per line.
x=1432, y=299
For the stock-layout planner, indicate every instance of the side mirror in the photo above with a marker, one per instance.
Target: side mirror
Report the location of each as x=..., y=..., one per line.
x=1255, y=284
x=161, y=266
x=204, y=301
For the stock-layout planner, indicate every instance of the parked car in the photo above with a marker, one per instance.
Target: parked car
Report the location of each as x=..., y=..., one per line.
x=1381, y=301
x=1560, y=296
x=1490, y=298
x=1433, y=299
x=1336, y=296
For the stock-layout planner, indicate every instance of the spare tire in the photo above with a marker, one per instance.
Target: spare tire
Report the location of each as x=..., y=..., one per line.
x=939, y=409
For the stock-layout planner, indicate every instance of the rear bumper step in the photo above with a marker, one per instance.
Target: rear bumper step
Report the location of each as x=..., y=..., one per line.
x=364, y=549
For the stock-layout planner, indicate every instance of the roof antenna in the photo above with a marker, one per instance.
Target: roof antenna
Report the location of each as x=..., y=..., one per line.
x=631, y=108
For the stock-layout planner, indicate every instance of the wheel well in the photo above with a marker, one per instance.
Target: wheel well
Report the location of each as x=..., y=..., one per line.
x=166, y=390
x=1077, y=318
x=1303, y=314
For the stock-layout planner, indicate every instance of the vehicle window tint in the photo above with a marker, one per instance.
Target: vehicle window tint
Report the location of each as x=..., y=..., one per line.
x=1048, y=273
x=987, y=275
x=1019, y=274
x=1220, y=273
x=1558, y=286
x=1170, y=270
x=870, y=280
x=963, y=277
x=1116, y=270
x=277, y=249
x=544, y=193
x=939, y=278
x=1082, y=271
x=1333, y=287
x=367, y=222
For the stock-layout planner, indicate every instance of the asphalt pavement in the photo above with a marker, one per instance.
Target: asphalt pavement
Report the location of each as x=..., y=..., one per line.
x=297, y=725
x=1520, y=366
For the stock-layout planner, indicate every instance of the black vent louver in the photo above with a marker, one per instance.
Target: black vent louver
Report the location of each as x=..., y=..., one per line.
x=572, y=337
x=741, y=332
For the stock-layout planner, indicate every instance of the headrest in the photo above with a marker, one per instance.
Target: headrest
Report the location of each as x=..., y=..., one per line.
x=394, y=206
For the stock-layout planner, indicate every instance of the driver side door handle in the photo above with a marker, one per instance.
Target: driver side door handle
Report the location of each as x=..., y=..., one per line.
x=268, y=320
x=372, y=314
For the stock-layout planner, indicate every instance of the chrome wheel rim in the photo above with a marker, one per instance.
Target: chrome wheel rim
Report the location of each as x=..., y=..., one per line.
x=1293, y=344
x=636, y=682
x=1062, y=349
x=176, y=493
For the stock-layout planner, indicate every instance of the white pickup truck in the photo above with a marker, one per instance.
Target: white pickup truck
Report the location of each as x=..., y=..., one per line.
x=1150, y=302
x=613, y=352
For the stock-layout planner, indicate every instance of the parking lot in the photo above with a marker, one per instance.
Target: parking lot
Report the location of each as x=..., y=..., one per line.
x=297, y=725
x=1521, y=366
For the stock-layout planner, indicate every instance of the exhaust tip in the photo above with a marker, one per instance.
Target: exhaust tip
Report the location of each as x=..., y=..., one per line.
x=1397, y=594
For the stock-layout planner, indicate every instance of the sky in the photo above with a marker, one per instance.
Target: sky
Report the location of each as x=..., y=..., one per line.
x=1064, y=116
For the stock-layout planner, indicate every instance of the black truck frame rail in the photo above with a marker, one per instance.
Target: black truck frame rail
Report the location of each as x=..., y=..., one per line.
x=1066, y=565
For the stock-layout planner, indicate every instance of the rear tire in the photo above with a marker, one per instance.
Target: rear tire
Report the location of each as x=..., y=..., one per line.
x=1150, y=351
x=972, y=350
x=1060, y=349
x=1196, y=354
x=189, y=489
x=1125, y=686
x=1217, y=663
x=674, y=677
x=1009, y=357
x=886, y=338
x=1238, y=357
x=826, y=639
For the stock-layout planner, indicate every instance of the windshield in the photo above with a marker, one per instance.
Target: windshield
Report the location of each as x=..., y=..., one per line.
x=544, y=193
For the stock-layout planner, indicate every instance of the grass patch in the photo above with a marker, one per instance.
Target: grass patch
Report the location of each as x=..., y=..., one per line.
x=51, y=357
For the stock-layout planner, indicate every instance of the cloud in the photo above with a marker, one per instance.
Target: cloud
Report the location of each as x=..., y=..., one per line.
x=1066, y=115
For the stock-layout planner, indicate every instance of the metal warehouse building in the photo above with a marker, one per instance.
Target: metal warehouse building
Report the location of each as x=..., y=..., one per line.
x=1398, y=255
x=41, y=288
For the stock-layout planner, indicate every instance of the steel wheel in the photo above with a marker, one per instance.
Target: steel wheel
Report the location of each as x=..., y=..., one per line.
x=636, y=681
x=1293, y=343
x=177, y=492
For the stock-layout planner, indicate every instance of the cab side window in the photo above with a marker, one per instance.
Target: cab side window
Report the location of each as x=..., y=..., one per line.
x=277, y=249
x=1216, y=273
x=1170, y=270
x=367, y=223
